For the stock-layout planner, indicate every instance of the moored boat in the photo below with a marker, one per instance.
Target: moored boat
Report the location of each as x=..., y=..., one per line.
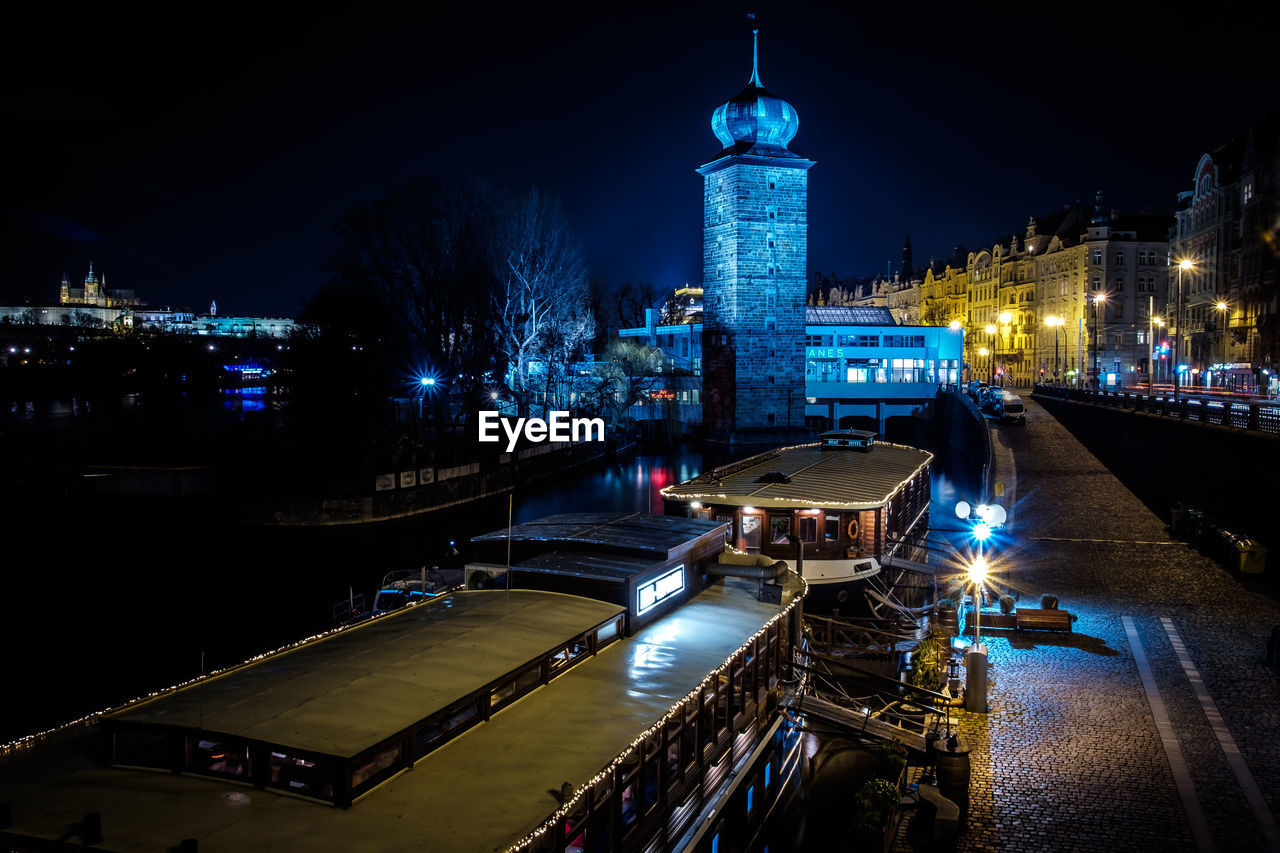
x=635, y=714
x=833, y=510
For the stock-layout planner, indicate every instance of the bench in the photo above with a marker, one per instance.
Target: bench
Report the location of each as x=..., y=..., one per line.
x=945, y=814
x=1043, y=620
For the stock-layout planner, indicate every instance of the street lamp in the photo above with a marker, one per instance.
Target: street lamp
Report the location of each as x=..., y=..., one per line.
x=426, y=383
x=1222, y=308
x=1097, y=376
x=990, y=329
x=1184, y=264
x=977, y=575
x=1005, y=319
x=1056, y=322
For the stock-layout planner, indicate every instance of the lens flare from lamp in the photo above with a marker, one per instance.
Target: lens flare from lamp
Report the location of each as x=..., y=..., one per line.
x=978, y=570
x=982, y=531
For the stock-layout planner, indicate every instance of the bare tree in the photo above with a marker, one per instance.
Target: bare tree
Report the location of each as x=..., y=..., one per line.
x=427, y=248
x=539, y=302
x=627, y=373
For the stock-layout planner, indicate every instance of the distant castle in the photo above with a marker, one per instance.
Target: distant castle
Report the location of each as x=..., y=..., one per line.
x=95, y=293
x=94, y=306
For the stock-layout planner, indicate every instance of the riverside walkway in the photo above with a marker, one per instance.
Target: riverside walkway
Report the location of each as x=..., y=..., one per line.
x=1156, y=724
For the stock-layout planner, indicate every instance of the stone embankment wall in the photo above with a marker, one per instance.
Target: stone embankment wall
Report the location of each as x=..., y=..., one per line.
x=962, y=430
x=1230, y=474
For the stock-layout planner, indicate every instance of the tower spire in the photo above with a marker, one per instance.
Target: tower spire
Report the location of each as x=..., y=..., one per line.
x=755, y=52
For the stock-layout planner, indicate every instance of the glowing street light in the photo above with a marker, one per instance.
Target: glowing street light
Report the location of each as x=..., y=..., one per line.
x=1226, y=318
x=977, y=573
x=1097, y=376
x=1184, y=264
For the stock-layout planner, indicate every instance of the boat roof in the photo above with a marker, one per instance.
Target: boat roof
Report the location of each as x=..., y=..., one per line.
x=814, y=478
x=484, y=790
x=343, y=694
x=585, y=564
x=635, y=533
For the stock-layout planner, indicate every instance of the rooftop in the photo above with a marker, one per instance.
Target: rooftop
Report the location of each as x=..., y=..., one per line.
x=484, y=790
x=349, y=691
x=838, y=479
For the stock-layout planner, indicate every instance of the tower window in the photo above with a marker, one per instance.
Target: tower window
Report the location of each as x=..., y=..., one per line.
x=770, y=270
x=771, y=185
x=770, y=244
x=771, y=214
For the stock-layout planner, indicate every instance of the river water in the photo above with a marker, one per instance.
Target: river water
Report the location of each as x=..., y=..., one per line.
x=109, y=599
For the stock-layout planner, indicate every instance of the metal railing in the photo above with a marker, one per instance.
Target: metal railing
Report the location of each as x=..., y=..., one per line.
x=1253, y=415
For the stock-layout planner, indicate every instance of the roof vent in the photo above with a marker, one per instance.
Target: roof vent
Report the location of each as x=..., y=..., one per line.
x=773, y=477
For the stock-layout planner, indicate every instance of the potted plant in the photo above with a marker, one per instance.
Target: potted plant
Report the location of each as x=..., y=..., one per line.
x=876, y=814
x=926, y=666
x=1006, y=604
x=1048, y=601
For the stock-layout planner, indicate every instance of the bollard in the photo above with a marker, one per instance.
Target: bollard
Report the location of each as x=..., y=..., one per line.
x=975, y=679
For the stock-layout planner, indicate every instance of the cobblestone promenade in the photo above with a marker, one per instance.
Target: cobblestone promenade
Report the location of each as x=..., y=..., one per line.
x=1070, y=756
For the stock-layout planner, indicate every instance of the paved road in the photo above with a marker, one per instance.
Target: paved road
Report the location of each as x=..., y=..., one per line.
x=1075, y=754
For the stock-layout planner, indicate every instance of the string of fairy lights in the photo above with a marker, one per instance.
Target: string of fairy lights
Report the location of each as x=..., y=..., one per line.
x=31, y=741
x=782, y=503
x=28, y=742
x=571, y=803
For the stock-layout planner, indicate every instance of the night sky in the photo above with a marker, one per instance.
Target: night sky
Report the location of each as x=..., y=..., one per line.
x=207, y=155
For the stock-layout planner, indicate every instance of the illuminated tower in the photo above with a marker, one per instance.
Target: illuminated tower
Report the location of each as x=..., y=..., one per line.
x=754, y=247
x=90, y=287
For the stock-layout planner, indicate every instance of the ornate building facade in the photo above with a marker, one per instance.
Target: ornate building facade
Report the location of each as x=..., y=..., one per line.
x=1228, y=227
x=755, y=246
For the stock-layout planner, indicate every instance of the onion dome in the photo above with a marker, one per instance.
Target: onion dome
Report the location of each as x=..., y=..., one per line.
x=754, y=121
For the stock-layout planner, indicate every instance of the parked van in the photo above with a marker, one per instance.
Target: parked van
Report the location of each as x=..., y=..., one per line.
x=1009, y=409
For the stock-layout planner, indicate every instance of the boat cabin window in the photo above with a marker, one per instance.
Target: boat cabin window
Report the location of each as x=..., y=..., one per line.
x=220, y=757
x=751, y=532
x=299, y=775
x=574, y=831
x=374, y=767
x=832, y=528
x=608, y=633
x=461, y=717
x=571, y=652
x=808, y=528
x=779, y=529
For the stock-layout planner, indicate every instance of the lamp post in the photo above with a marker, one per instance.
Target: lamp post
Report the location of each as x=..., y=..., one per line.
x=426, y=383
x=1005, y=319
x=1222, y=309
x=1097, y=376
x=1151, y=344
x=1159, y=321
x=975, y=661
x=1056, y=323
x=1184, y=264
x=990, y=329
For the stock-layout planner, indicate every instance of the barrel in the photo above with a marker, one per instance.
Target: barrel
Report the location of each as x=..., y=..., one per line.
x=953, y=776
